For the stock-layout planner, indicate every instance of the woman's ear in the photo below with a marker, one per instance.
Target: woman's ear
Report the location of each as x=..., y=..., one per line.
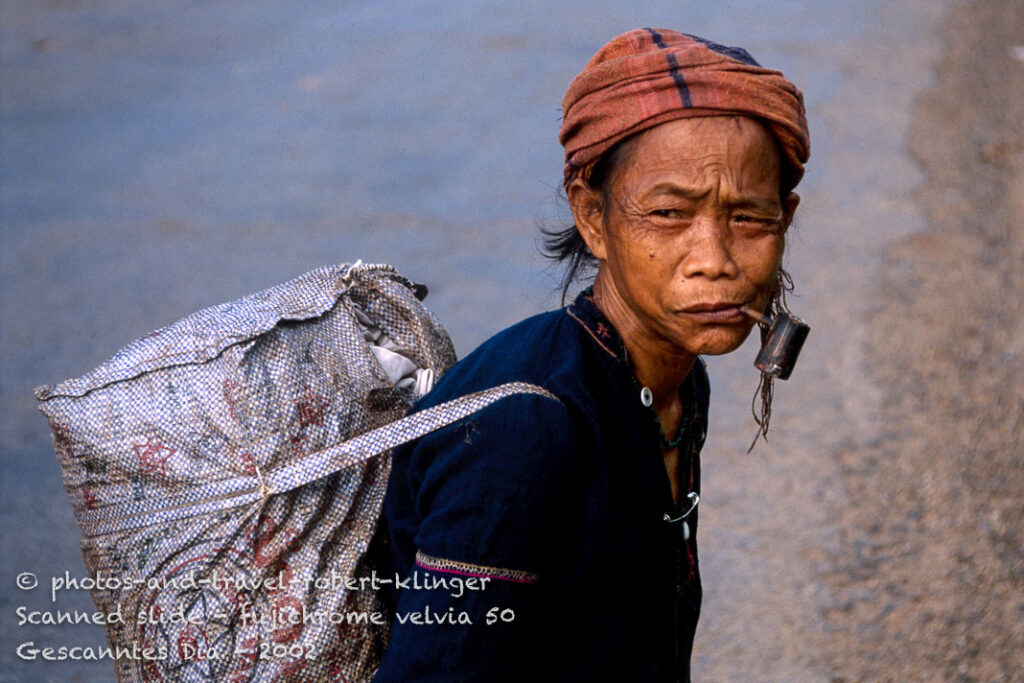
x=587, y=205
x=789, y=208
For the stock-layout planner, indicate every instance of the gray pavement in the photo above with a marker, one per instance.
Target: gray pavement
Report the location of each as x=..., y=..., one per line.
x=158, y=158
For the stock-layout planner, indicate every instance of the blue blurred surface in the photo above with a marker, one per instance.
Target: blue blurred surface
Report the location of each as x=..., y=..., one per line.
x=157, y=158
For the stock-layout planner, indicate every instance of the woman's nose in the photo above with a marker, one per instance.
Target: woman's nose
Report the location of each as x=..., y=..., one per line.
x=709, y=254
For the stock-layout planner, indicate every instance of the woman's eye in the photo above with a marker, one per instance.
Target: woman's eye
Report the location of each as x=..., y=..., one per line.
x=760, y=221
x=667, y=213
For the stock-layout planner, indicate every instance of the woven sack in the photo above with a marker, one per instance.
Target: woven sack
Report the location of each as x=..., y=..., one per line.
x=227, y=474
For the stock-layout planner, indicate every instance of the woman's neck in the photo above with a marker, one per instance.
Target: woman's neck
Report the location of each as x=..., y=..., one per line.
x=657, y=364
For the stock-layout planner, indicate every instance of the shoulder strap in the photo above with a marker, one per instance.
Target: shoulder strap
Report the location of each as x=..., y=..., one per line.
x=245, y=490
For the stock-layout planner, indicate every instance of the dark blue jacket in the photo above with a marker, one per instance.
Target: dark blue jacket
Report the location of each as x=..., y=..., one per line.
x=560, y=506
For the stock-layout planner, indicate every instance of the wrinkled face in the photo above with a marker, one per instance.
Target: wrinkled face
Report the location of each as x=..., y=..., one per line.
x=691, y=227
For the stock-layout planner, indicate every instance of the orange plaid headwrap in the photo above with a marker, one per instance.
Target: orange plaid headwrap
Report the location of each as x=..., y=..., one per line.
x=649, y=76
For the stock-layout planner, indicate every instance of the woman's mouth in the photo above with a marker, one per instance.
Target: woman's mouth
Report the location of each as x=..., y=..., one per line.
x=721, y=312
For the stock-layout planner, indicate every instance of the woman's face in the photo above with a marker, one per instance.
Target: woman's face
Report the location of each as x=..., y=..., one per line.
x=691, y=227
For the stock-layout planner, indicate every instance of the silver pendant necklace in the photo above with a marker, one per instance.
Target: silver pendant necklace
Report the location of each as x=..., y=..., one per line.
x=694, y=499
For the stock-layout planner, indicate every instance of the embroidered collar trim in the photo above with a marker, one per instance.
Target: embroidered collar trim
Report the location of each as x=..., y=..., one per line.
x=585, y=311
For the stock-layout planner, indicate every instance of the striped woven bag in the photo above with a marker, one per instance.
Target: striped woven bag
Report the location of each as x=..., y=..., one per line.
x=227, y=474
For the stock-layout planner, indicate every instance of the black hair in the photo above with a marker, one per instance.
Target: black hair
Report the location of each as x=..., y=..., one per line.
x=566, y=244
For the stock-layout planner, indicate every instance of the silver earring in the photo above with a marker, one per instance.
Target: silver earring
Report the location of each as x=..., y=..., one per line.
x=766, y=384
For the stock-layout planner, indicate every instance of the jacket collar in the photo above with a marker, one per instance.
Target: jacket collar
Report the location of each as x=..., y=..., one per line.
x=584, y=310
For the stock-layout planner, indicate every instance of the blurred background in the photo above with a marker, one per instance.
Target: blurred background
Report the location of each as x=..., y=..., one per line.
x=157, y=158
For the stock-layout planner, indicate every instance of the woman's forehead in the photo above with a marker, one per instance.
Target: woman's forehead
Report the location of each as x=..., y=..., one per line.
x=737, y=146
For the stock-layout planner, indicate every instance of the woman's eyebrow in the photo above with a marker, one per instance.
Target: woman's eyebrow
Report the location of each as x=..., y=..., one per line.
x=756, y=204
x=753, y=202
x=678, y=191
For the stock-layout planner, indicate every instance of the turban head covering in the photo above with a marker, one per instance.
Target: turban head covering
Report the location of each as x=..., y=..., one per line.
x=650, y=76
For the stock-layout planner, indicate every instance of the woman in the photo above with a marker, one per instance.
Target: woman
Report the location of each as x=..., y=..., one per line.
x=575, y=512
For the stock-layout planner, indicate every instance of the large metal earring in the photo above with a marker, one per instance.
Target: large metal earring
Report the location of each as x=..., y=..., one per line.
x=766, y=386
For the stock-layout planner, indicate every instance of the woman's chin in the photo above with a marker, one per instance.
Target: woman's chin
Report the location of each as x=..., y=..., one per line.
x=721, y=344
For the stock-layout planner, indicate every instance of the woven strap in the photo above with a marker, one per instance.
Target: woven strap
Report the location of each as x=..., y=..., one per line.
x=245, y=490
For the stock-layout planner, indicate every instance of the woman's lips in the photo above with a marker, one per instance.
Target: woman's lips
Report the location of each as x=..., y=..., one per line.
x=715, y=312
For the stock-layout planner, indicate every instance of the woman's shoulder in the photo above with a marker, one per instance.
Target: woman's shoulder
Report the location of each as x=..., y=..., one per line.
x=514, y=439
x=478, y=490
x=543, y=350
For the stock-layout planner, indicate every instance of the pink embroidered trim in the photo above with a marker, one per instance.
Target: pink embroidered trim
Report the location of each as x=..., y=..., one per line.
x=591, y=333
x=439, y=564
